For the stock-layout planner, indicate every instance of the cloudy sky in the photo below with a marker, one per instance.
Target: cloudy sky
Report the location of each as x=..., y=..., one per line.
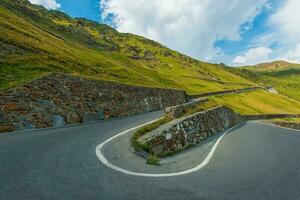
x=235, y=32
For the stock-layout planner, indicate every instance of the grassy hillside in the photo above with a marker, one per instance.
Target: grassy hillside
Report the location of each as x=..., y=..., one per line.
x=284, y=76
x=259, y=102
x=35, y=42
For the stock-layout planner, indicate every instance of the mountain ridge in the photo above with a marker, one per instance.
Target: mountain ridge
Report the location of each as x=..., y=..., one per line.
x=276, y=65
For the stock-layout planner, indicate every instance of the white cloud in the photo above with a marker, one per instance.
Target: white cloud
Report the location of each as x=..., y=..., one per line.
x=254, y=56
x=190, y=26
x=49, y=4
x=285, y=23
x=292, y=55
x=283, y=36
x=287, y=20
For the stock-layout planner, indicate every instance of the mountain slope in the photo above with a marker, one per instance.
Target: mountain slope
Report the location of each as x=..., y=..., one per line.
x=275, y=66
x=284, y=76
x=35, y=42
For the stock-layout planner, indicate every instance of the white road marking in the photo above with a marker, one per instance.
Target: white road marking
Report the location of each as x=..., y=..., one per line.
x=125, y=171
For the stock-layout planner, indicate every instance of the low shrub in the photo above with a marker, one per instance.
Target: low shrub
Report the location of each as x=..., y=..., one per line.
x=153, y=160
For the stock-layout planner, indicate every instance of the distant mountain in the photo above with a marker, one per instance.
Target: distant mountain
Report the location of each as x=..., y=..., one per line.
x=35, y=42
x=275, y=66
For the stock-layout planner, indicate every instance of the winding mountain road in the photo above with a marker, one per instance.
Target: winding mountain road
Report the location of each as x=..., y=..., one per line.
x=253, y=161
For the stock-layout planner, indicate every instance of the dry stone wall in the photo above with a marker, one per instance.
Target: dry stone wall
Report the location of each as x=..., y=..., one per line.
x=58, y=100
x=183, y=132
x=269, y=116
x=177, y=111
x=293, y=125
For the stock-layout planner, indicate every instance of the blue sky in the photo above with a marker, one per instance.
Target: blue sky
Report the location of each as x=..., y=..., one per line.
x=231, y=31
x=258, y=27
x=82, y=8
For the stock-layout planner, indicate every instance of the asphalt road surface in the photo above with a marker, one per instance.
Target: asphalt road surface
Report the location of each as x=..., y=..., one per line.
x=255, y=161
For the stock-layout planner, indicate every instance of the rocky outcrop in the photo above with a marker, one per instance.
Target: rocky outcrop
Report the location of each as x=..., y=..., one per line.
x=58, y=100
x=183, y=132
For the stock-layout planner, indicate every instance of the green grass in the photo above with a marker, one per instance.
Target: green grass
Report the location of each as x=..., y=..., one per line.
x=202, y=107
x=258, y=102
x=255, y=102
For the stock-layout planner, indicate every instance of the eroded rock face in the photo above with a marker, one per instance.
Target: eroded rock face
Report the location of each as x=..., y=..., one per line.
x=58, y=100
x=180, y=133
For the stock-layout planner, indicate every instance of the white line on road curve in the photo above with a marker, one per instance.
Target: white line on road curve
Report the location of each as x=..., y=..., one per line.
x=125, y=171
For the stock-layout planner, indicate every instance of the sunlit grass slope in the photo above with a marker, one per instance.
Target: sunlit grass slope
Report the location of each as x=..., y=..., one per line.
x=259, y=102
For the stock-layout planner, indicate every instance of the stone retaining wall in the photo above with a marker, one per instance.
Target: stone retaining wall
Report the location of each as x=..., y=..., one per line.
x=183, y=132
x=293, y=125
x=269, y=116
x=177, y=111
x=59, y=99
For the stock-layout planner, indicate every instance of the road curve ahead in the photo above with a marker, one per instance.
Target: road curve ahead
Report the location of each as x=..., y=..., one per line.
x=254, y=161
